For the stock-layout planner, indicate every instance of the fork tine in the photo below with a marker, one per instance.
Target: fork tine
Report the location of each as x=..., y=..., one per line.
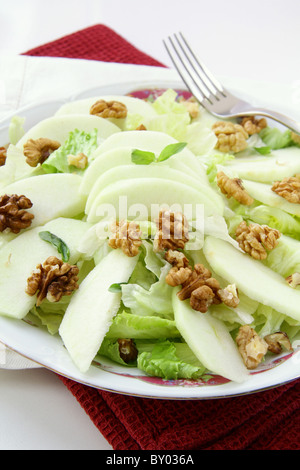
x=202, y=71
x=199, y=90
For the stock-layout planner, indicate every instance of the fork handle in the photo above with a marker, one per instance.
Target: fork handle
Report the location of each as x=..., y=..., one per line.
x=281, y=118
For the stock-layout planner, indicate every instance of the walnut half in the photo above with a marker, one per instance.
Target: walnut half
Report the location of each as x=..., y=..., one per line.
x=109, y=109
x=13, y=213
x=276, y=340
x=202, y=289
x=231, y=137
x=252, y=125
x=172, y=231
x=37, y=151
x=256, y=239
x=252, y=347
x=52, y=280
x=233, y=187
x=127, y=236
x=288, y=188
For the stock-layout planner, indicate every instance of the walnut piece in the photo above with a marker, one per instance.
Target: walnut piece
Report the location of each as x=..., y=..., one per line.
x=176, y=258
x=202, y=298
x=256, y=239
x=252, y=347
x=197, y=279
x=37, y=151
x=128, y=350
x=141, y=127
x=3, y=155
x=191, y=105
x=233, y=187
x=229, y=296
x=109, y=109
x=13, y=213
x=231, y=137
x=178, y=276
x=276, y=340
x=172, y=231
x=253, y=125
x=293, y=280
x=202, y=289
x=295, y=138
x=52, y=280
x=288, y=188
x=80, y=160
x=127, y=236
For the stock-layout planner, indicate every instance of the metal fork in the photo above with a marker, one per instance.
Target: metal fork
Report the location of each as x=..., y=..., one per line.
x=213, y=96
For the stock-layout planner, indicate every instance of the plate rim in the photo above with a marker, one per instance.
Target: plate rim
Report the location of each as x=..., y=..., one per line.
x=131, y=85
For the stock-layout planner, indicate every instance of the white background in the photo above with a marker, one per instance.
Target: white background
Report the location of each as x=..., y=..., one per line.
x=256, y=40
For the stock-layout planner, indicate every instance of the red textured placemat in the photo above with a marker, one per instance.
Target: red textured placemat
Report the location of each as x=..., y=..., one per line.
x=97, y=42
x=268, y=420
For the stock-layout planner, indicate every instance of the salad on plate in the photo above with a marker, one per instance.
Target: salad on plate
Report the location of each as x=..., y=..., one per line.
x=143, y=230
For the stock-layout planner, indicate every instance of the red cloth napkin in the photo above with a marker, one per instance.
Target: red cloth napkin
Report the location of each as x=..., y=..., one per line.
x=268, y=420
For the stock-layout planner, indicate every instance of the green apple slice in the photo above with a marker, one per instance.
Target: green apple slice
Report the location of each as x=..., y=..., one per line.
x=252, y=277
x=116, y=150
x=52, y=195
x=93, y=307
x=19, y=257
x=155, y=170
x=210, y=341
x=263, y=193
x=58, y=128
x=281, y=164
x=145, y=197
x=134, y=106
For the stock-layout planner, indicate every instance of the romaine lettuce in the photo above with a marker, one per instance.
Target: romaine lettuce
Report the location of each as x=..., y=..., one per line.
x=128, y=325
x=77, y=142
x=157, y=300
x=169, y=360
x=274, y=217
x=275, y=138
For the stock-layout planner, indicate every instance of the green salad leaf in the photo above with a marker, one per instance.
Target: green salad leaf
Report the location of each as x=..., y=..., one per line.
x=77, y=142
x=142, y=157
x=274, y=138
x=59, y=244
x=128, y=325
x=169, y=360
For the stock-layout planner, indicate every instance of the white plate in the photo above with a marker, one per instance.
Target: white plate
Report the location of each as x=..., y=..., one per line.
x=39, y=346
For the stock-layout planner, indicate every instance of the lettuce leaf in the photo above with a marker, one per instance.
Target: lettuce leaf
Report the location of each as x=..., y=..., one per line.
x=275, y=138
x=172, y=116
x=157, y=300
x=167, y=103
x=49, y=314
x=110, y=348
x=172, y=124
x=128, y=325
x=212, y=161
x=141, y=275
x=274, y=217
x=77, y=142
x=169, y=361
